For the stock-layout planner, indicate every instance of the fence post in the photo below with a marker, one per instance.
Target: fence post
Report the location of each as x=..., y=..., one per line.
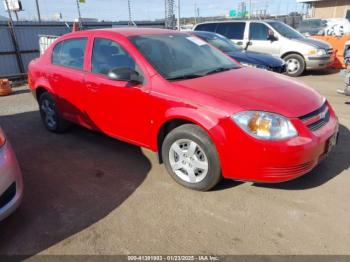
x=17, y=50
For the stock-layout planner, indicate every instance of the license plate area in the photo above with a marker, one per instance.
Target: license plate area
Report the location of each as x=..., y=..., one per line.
x=331, y=143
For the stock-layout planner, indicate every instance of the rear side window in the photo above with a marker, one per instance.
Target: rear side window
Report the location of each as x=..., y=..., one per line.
x=348, y=14
x=258, y=31
x=232, y=30
x=108, y=55
x=70, y=53
x=206, y=27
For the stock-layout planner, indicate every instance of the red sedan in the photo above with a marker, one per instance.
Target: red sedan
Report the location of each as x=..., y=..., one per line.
x=205, y=115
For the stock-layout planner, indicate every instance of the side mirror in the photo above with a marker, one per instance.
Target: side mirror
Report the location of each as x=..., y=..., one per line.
x=125, y=74
x=271, y=36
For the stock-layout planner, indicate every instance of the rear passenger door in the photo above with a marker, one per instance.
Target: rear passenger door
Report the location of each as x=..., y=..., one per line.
x=258, y=35
x=234, y=31
x=66, y=77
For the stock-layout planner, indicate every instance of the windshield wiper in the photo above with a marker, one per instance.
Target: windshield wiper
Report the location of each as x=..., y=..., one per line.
x=218, y=70
x=183, y=77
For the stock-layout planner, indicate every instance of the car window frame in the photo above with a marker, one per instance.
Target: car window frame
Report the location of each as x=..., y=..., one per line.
x=67, y=40
x=229, y=24
x=250, y=31
x=89, y=70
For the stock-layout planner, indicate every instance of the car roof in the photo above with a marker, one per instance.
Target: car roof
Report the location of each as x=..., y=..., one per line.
x=134, y=31
x=230, y=21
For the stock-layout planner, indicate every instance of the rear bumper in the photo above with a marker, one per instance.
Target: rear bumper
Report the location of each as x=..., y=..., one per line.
x=11, y=183
x=319, y=62
x=275, y=161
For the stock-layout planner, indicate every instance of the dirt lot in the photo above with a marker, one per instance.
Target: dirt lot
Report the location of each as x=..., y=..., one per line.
x=88, y=194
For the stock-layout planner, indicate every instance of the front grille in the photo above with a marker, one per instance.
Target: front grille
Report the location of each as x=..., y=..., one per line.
x=8, y=195
x=320, y=123
x=279, y=69
x=330, y=51
x=317, y=119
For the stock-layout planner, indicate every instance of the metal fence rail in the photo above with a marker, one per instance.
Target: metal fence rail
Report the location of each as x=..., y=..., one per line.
x=20, y=45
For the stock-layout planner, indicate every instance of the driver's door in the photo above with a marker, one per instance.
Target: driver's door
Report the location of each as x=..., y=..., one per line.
x=258, y=35
x=118, y=108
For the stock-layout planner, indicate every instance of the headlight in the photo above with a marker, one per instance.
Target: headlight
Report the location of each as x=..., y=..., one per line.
x=264, y=125
x=318, y=52
x=2, y=137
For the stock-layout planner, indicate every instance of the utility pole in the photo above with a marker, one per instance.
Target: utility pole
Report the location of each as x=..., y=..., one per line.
x=38, y=10
x=79, y=15
x=250, y=9
x=8, y=11
x=178, y=15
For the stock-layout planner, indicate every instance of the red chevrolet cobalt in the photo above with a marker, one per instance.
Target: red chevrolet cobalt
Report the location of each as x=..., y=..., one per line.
x=205, y=115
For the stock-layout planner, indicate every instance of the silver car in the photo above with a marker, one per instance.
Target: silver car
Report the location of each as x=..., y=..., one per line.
x=278, y=39
x=11, y=183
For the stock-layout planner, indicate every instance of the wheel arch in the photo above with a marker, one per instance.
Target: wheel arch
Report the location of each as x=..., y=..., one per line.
x=292, y=53
x=209, y=125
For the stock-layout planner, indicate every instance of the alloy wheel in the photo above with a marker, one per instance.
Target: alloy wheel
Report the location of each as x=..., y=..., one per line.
x=188, y=161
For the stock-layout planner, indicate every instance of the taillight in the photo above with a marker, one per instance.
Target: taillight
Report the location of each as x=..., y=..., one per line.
x=2, y=137
x=30, y=81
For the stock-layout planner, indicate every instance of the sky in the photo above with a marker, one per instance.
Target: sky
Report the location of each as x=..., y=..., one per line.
x=144, y=9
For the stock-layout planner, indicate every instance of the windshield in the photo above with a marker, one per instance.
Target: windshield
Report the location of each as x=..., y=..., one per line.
x=285, y=30
x=180, y=56
x=222, y=43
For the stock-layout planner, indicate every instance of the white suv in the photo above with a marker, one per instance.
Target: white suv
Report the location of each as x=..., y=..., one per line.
x=278, y=39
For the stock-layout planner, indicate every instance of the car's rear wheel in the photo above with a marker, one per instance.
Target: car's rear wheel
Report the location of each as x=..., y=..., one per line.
x=191, y=158
x=50, y=115
x=295, y=65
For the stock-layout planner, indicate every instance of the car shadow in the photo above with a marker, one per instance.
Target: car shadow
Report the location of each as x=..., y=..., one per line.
x=322, y=72
x=71, y=181
x=334, y=165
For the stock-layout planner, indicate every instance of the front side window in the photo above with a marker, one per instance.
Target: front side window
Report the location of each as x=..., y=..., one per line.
x=108, y=55
x=258, y=31
x=180, y=56
x=232, y=30
x=223, y=44
x=70, y=53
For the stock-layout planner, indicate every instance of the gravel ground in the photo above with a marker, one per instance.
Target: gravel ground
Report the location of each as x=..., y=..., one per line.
x=86, y=193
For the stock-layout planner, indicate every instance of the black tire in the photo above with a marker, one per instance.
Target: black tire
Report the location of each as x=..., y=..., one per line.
x=203, y=143
x=55, y=123
x=299, y=62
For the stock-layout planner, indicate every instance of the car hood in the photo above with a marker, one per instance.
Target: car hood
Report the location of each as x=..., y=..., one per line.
x=256, y=58
x=314, y=42
x=254, y=89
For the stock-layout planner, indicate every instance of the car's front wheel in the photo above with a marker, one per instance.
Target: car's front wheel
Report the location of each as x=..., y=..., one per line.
x=295, y=65
x=191, y=158
x=50, y=115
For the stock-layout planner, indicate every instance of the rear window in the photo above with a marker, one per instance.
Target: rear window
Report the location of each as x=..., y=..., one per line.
x=348, y=14
x=232, y=30
x=206, y=27
x=70, y=53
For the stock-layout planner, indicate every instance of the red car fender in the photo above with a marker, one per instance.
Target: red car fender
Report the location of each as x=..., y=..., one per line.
x=209, y=124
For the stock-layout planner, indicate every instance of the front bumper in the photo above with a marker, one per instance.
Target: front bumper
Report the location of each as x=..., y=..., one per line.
x=319, y=62
x=11, y=183
x=275, y=161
